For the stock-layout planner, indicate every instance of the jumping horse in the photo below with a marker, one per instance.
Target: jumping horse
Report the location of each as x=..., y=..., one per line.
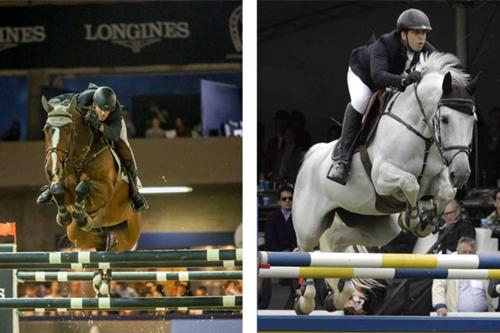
x=420, y=149
x=86, y=183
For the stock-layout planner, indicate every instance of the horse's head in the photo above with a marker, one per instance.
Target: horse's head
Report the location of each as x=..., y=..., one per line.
x=451, y=112
x=59, y=136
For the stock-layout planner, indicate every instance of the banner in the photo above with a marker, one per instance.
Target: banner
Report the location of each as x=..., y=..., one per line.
x=121, y=34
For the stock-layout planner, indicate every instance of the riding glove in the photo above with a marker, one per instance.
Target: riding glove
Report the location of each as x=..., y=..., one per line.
x=92, y=120
x=413, y=77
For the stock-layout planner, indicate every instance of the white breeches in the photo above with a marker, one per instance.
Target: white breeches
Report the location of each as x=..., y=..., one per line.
x=360, y=93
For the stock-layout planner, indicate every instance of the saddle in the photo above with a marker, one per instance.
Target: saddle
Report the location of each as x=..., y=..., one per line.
x=383, y=203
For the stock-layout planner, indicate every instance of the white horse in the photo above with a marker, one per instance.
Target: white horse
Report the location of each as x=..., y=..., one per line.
x=420, y=148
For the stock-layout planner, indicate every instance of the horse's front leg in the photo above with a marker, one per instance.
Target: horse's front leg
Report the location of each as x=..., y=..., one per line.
x=59, y=192
x=443, y=190
x=391, y=180
x=82, y=191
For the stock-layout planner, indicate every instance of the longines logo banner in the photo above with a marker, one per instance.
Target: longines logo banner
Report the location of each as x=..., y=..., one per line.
x=126, y=34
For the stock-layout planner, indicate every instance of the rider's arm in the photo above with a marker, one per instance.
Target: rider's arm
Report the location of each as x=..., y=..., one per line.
x=379, y=68
x=111, y=129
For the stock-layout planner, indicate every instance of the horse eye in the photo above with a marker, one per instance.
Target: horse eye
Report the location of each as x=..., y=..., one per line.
x=444, y=119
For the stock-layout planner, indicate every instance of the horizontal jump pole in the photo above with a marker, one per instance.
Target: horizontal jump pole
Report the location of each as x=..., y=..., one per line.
x=107, y=265
x=122, y=303
x=119, y=257
x=379, y=260
x=378, y=273
x=130, y=276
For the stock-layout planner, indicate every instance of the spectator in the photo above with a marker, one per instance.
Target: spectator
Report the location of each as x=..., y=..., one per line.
x=280, y=236
x=455, y=295
x=181, y=130
x=281, y=122
x=155, y=131
x=452, y=217
x=298, y=123
x=231, y=288
x=279, y=231
x=288, y=159
x=161, y=114
x=494, y=217
x=128, y=123
x=494, y=291
x=201, y=291
x=125, y=290
x=13, y=133
x=54, y=290
x=333, y=133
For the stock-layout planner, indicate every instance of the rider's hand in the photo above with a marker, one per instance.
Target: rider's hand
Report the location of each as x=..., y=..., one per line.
x=413, y=77
x=92, y=120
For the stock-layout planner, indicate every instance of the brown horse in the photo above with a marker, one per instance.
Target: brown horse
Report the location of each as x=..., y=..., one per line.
x=85, y=181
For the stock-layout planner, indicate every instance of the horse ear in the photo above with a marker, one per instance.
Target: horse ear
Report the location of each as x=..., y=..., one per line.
x=72, y=104
x=46, y=106
x=447, y=84
x=471, y=87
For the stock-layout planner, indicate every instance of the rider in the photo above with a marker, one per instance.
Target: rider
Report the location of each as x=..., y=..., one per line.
x=104, y=114
x=387, y=62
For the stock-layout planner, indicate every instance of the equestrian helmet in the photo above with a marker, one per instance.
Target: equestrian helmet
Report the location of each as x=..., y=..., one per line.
x=105, y=98
x=413, y=19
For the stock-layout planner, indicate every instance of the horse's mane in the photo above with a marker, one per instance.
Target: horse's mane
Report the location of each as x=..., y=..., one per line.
x=444, y=62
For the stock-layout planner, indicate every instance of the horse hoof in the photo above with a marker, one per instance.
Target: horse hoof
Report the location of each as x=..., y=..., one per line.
x=329, y=304
x=84, y=224
x=302, y=307
x=63, y=219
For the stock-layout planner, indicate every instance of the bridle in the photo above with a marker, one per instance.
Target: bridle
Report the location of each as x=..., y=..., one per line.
x=457, y=104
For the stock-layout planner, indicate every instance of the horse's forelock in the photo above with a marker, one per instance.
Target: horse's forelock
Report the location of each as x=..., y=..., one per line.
x=444, y=62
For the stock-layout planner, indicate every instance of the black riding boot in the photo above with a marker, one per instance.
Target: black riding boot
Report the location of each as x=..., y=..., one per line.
x=342, y=154
x=138, y=201
x=44, y=196
x=123, y=150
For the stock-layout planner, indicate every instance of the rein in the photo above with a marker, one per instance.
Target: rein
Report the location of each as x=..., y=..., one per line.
x=78, y=163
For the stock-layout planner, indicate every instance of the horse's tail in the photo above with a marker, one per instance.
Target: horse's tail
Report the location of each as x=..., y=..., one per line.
x=366, y=284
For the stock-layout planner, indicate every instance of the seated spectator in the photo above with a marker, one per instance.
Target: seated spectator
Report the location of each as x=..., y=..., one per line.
x=275, y=144
x=333, y=133
x=54, y=290
x=298, y=123
x=279, y=231
x=494, y=291
x=13, y=133
x=494, y=217
x=155, y=131
x=181, y=130
x=128, y=122
x=288, y=159
x=453, y=295
x=452, y=217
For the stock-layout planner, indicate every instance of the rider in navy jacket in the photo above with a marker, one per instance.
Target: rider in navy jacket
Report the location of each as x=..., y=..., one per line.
x=103, y=113
x=387, y=62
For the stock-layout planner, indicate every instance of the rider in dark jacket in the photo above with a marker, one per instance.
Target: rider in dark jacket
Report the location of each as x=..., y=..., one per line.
x=103, y=113
x=387, y=62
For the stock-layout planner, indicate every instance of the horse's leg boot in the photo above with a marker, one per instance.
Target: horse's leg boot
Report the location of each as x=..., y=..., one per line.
x=44, y=196
x=342, y=154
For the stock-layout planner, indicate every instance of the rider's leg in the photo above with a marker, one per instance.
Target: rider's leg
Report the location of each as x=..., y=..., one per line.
x=127, y=158
x=126, y=155
x=360, y=95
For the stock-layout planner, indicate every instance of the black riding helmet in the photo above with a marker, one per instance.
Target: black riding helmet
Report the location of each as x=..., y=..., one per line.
x=105, y=98
x=413, y=19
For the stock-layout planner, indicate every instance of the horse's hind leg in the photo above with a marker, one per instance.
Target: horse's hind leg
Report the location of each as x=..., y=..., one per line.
x=127, y=233
x=86, y=239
